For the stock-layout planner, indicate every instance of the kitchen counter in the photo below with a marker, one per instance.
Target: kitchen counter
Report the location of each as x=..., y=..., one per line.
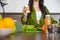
x=32, y=36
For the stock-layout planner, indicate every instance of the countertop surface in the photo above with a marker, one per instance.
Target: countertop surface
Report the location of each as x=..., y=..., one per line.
x=32, y=36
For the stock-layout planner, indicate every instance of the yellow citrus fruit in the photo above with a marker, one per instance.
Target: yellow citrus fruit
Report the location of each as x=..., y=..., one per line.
x=2, y=24
x=9, y=22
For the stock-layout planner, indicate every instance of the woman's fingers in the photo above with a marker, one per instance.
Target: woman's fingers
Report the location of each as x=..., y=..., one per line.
x=24, y=9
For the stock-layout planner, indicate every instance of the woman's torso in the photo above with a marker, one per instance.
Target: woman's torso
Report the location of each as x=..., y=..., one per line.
x=33, y=18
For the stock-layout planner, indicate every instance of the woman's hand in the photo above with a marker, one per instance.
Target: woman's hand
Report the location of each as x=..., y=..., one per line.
x=26, y=10
x=25, y=14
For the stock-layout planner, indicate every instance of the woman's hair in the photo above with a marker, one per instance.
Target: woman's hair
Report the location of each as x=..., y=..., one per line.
x=41, y=6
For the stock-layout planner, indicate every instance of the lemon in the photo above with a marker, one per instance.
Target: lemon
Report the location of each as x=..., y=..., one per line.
x=9, y=22
x=2, y=24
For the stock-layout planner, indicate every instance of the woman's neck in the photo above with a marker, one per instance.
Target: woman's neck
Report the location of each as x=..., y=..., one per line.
x=36, y=5
x=35, y=2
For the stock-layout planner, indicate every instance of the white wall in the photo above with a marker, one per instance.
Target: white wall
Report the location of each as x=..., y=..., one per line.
x=53, y=5
x=17, y=5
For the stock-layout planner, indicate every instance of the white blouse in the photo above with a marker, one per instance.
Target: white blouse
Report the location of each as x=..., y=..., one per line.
x=38, y=15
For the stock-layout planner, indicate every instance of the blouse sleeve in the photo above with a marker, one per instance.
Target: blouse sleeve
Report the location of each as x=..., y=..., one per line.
x=53, y=21
x=22, y=19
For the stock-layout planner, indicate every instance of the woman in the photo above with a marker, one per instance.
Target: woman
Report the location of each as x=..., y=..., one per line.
x=37, y=14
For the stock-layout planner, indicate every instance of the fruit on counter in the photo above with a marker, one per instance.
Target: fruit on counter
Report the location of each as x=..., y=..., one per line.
x=7, y=26
x=9, y=22
x=2, y=24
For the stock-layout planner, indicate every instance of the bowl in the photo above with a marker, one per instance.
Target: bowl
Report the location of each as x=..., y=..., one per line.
x=5, y=32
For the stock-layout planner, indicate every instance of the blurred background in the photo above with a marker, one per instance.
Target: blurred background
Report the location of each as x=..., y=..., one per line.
x=14, y=8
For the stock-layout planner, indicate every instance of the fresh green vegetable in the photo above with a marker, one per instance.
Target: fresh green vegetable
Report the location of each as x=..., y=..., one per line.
x=29, y=28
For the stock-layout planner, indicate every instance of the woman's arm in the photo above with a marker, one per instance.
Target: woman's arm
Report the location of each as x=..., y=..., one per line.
x=52, y=20
x=24, y=16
